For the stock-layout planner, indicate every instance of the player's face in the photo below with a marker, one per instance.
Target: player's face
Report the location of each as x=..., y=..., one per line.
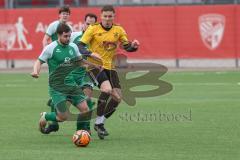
x=90, y=20
x=64, y=16
x=64, y=38
x=107, y=18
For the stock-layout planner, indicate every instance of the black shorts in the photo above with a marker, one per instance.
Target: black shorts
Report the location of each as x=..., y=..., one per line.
x=104, y=75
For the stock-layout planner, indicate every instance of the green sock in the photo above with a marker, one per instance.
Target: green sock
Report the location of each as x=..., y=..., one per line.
x=87, y=125
x=51, y=116
x=81, y=125
x=53, y=110
x=90, y=104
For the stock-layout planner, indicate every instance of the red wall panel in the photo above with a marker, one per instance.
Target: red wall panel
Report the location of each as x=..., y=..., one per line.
x=163, y=31
x=189, y=40
x=153, y=27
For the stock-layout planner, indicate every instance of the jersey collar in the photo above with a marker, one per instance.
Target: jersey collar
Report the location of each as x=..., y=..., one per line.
x=106, y=29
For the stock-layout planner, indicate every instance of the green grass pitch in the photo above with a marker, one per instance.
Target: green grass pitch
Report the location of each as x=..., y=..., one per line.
x=198, y=120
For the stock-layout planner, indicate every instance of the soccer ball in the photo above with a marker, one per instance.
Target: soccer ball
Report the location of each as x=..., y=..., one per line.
x=81, y=138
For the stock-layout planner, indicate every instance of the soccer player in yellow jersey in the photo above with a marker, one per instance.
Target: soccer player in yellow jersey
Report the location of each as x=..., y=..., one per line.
x=103, y=38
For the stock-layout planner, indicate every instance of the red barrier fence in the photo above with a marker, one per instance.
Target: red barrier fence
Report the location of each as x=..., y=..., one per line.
x=165, y=32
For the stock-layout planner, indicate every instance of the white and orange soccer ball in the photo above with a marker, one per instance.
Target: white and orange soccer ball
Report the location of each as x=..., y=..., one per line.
x=81, y=138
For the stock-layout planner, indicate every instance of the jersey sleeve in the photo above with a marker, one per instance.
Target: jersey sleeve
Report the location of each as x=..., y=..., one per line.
x=123, y=36
x=51, y=29
x=75, y=47
x=87, y=36
x=45, y=55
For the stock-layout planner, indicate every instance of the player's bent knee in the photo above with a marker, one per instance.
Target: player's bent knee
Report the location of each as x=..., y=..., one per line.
x=106, y=87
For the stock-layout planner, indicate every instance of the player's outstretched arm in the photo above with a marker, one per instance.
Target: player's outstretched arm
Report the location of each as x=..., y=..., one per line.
x=83, y=50
x=36, y=69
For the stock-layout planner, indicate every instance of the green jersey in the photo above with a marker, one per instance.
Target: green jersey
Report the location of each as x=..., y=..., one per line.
x=56, y=54
x=52, y=29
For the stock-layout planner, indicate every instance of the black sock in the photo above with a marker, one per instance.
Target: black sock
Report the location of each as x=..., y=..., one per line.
x=102, y=102
x=111, y=108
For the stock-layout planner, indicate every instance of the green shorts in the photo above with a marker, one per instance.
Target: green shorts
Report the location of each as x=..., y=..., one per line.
x=60, y=98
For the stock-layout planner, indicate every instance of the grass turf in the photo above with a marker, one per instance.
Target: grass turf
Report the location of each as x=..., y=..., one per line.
x=199, y=119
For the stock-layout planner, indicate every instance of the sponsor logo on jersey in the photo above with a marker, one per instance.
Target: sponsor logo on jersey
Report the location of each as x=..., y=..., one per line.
x=58, y=50
x=109, y=45
x=67, y=60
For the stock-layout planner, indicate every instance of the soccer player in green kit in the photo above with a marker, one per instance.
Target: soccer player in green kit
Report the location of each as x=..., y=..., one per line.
x=51, y=35
x=85, y=82
x=57, y=54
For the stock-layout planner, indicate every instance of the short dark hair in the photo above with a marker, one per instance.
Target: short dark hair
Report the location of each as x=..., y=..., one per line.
x=108, y=8
x=90, y=15
x=64, y=9
x=62, y=27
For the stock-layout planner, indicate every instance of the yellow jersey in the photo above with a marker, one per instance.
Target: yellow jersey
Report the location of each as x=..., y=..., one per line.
x=104, y=42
